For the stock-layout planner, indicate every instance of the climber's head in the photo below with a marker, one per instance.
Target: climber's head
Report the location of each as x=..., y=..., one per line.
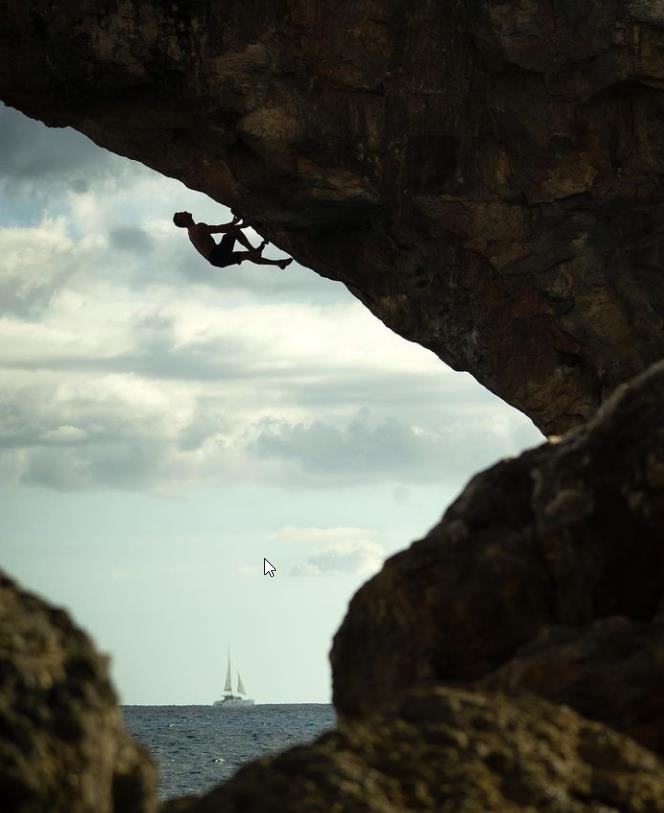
x=183, y=219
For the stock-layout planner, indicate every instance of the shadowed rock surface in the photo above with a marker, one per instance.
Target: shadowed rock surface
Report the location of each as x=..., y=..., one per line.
x=610, y=670
x=566, y=534
x=451, y=751
x=63, y=747
x=486, y=177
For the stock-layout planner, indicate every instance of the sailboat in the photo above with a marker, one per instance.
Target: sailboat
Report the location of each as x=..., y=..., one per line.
x=230, y=700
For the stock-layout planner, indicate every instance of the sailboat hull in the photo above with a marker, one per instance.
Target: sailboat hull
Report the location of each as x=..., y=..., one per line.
x=234, y=703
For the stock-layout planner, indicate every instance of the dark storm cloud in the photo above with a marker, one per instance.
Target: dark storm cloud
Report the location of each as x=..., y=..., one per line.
x=131, y=238
x=32, y=154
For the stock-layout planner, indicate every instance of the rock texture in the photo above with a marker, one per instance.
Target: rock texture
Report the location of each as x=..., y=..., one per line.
x=568, y=534
x=485, y=176
x=63, y=748
x=450, y=751
x=612, y=669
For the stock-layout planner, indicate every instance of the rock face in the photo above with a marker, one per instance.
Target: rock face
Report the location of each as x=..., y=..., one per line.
x=486, y=177
x=451, y=752
x=63, y=748
x=568, y=534
x=610, y=670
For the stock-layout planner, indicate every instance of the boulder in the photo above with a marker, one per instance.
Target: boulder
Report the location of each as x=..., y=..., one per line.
x=610, y=670
x=566, y=534
x=63, y=746
x=451, y=751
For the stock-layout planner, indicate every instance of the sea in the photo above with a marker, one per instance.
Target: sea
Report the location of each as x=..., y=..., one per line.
x=196, y=747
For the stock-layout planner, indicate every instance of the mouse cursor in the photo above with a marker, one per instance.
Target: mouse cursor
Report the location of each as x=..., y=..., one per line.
x=268, y=568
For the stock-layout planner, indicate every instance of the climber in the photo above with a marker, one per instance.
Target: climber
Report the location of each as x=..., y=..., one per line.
x=221, y=254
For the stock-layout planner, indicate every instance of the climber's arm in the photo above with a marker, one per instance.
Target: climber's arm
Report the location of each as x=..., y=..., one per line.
x=234, y=225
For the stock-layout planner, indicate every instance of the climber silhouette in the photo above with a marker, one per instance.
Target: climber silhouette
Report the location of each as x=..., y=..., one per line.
x=221, y=254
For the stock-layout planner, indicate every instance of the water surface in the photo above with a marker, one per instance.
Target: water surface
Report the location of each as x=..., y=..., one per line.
x=198, y=746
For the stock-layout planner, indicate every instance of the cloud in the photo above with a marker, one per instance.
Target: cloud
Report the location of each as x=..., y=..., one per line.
x=336, y=550
x=37, y=261
x=131, y=238
x=113, y=431
x=359, y=446
x=150, y=395
x=383, y=449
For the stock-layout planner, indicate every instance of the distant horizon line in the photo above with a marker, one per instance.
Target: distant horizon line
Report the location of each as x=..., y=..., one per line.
x=207, y=705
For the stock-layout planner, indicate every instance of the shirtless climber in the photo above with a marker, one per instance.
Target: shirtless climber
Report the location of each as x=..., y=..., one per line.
x=221, y=254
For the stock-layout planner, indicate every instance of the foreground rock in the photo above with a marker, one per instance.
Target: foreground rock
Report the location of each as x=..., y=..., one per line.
x=63, y=748
x=567, y=535
x=486, y=177
x=611, y=670
x=451, y=752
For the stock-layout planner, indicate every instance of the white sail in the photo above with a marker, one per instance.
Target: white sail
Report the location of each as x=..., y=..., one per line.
x=240, y=685
x=227, y=686
x=230, y=700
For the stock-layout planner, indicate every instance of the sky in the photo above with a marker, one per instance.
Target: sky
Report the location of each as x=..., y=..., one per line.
x=165, y=425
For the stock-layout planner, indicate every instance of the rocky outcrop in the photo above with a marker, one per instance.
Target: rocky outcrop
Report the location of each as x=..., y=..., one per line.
x=451, y=751
x=63, y=747
x=485, y=177
x=568, y=534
